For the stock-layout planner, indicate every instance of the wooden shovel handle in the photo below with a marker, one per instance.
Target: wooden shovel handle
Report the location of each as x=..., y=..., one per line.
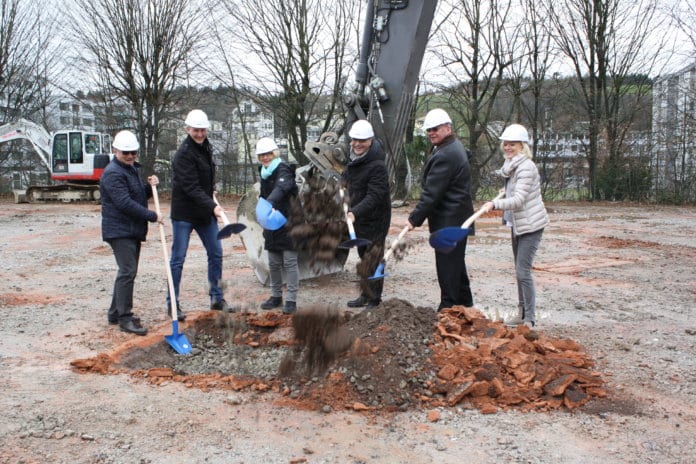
x=165, y=253
x=223, y=215
x=393, y=245
x=479, y=213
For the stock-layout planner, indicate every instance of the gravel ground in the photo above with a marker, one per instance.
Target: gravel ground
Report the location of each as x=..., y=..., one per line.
x=618, y=279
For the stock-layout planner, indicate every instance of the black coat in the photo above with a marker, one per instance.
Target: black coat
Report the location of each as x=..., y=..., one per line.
x=446, y=187
x=368, y=188
x=124, y=202
x=193, y=182
x=279, y=189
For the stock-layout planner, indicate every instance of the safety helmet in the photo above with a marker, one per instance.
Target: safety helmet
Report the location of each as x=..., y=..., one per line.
x=126, y=141
x=265, y=145
x=436, y=118
x=515, y=133
x=361, y=129
x=197, y=119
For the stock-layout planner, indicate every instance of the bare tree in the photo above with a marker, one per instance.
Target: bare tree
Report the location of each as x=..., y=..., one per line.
x=475, y=51
x=294, y=55
x=26, y=62
x=606, y=42
x=139, y=51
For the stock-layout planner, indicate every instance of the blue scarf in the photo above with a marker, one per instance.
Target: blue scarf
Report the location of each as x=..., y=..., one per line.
x=267, y=171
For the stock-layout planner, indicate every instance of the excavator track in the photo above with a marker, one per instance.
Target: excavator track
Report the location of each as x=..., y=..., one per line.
x=65, y=193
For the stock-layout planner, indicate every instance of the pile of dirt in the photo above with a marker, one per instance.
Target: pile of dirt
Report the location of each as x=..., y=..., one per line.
x=393, y=357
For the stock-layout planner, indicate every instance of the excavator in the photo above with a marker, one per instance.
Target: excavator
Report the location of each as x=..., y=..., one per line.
x=75, y=158
x=395, y=34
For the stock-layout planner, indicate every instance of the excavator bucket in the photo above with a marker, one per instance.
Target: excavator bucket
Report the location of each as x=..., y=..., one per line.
x=252, y=239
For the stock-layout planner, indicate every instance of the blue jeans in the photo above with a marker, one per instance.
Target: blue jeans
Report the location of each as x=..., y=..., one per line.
x=181, y=233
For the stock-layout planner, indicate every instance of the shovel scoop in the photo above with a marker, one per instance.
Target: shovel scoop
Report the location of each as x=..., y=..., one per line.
x=354, y=241
x=445, y=240
x=379, y=272
x=176, y=340
x=228, y=228
x=269, y=218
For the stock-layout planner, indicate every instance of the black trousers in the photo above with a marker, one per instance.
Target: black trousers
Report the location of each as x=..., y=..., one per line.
x=127, y=254
x=453, y=277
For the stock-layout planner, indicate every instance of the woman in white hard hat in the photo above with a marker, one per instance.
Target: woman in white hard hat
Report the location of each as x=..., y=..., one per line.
x=369, y=207
x=524, y=213
x=124, y=224
x=278, y=187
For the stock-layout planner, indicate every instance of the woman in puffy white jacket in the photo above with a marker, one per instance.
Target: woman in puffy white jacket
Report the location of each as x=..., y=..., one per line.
x=524, y=212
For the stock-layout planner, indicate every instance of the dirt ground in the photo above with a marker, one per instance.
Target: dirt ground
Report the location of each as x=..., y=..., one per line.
x=619, y=280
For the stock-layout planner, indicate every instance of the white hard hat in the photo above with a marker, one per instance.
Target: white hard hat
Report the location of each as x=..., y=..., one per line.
x=197, y=119
x=515, y=133
x=435, y=118
x=265, y=145
x=361, y=129
x=126, y=141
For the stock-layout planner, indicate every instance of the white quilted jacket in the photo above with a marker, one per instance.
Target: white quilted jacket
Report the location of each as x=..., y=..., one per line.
x=523, y=195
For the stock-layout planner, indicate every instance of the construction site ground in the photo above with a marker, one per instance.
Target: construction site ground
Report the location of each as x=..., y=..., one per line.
x=616, y=290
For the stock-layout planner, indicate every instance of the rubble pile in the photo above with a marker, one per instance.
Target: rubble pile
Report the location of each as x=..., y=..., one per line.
x=393, y=357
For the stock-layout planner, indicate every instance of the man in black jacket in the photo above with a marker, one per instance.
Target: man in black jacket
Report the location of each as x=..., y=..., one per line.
x=446, y=201
x=370, y=204
x=124, y=224
x=193, y=208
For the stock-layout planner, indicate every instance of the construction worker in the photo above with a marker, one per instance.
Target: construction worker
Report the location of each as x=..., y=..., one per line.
x=370, y=204
x=524, y=212
x=445, y=201
x=279, y=189
x=124, y=224
x=193, y=208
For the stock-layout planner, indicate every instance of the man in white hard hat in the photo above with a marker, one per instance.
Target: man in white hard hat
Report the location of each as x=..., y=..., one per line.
x=369, y=207
x=445, y=201
x=193, y=208
x=124, y=224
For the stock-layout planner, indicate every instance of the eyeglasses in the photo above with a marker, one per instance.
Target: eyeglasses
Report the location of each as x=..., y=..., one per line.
x=270, y=153
x=134, y=153
x=433, y=129
x=360, y=140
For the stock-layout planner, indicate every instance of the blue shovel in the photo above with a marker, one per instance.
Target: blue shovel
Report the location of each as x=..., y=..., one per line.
x=353, y=242
x=228, y=228
x=379, y=272
x=445, y=240
x=176, y=340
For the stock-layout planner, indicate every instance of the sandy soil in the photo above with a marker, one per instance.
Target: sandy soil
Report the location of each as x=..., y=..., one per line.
x=618, y=279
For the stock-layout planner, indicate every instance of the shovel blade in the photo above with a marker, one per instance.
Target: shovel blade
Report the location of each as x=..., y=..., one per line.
x=177, y=340
x=230, y=229
x=356, y=242
x=445, y=240
x=379, y=273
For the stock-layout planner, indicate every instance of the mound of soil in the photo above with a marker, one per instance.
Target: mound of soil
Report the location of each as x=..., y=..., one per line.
x=393, y=357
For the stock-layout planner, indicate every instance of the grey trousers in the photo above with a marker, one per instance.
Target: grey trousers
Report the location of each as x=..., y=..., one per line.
x=127, y=254
x=279, y=262
x=524, y=248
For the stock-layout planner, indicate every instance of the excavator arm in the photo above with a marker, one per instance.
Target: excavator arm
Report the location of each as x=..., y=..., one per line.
x=39, y=138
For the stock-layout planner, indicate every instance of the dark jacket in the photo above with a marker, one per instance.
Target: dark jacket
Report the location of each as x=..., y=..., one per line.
x=446, y=187
x=193, y=182
x=279, y=189
x=124, y=202
x=368, y=188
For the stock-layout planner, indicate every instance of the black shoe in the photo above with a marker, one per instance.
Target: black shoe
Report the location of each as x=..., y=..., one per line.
x=115, y=321
x=131, y=326
x=272, y=302
x=180, y=316
x=221, y=306
x=359, y=302
x=372, y=304
x=290, y=307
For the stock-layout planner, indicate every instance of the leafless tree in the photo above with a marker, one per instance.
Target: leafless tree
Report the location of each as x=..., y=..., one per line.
x=473, y=43
x=294, y=56
x=26, y=58
x=606, y=42
x=139, y=51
